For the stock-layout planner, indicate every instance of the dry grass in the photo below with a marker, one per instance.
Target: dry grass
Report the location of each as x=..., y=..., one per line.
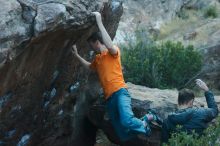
x=195, y=22
x=179, y=25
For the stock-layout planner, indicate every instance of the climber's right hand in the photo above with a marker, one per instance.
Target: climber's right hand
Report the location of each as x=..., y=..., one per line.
x=97, y=16
x=202, y=85
x=74, y=50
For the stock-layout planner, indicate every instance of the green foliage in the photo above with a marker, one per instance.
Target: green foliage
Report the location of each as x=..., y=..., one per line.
x=211, y=11
x=159, y=65
x=210, y=138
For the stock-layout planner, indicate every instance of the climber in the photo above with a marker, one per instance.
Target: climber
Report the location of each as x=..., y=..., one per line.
x=188, y=117
x=107, y=64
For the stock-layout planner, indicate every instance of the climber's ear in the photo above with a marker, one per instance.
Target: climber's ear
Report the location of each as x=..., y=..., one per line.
x=93, y=45
x=97, y=43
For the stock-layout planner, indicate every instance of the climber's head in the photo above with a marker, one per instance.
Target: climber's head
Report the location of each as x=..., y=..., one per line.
x=186, y=98
x=95, y=41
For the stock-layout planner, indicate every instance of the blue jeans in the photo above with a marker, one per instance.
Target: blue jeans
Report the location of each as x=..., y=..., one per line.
x=122, y=118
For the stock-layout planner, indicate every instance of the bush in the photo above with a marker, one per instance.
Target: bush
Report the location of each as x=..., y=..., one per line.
x=210, y=138
x=159, y=65
x=211, y=11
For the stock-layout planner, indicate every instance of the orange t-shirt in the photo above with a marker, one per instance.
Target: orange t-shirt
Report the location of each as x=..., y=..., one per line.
x=109, y=71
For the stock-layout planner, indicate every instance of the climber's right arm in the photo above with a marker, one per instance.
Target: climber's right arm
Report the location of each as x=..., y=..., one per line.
x=85, y=63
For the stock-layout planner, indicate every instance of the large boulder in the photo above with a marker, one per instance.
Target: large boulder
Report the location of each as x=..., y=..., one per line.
x=44, y=91
x=163, y=102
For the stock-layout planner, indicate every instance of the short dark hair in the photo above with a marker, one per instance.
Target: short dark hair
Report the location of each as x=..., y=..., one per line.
x=96, y=36
x=185, y=95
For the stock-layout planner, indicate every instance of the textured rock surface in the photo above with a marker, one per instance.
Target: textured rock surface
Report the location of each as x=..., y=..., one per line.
x=147, y=14
x=153, y=14
x=211, y=69
x=37, y=69
x=162, y=101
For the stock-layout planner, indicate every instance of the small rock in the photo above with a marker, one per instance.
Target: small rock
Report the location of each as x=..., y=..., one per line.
x=60, y=112
x=190, y=36
x=10, y=134
x=55, y=76
x=48, y=95
x=45, y=94
x=46, y=104
x=4, y=99
x=53, y=92
x=73, y=87
x=16, y=108
x=24, y=140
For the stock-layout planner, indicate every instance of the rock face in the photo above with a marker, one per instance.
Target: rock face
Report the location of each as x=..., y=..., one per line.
x=147, y=14
x=211, y=69
x=151, y=15
x=44, y=91
x=161, y=101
